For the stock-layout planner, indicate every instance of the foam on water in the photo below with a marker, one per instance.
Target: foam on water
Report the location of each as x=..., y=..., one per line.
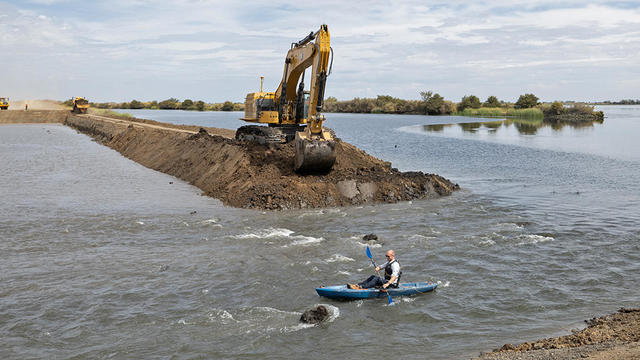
x=305, y=240
x=339, y=258
x=266, y=234
x=530, y=239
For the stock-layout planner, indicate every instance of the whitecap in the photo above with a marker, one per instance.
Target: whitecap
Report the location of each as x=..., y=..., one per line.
x=268, y=309
x=266, y=233
x=305, y=240
x=372, y=245
x=344, y=273
x=487, y=242
x=529, y=239
x=339, y=258
x=139, y=222
x=442, y=284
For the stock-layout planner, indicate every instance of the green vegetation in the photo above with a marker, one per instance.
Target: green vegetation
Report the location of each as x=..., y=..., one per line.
x=470, y=101
x=526, y=101
x=430, y=103
x=531, y=113
x=578, y=112
x=109, y=113
x=168, y=104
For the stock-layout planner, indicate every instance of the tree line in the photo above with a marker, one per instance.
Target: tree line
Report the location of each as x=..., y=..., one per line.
x=430, y=104
x=168, y=104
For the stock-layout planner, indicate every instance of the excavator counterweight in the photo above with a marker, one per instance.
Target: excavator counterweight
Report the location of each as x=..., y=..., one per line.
x=293, y=113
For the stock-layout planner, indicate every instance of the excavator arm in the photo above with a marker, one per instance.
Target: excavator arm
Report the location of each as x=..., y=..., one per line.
x=303, y=54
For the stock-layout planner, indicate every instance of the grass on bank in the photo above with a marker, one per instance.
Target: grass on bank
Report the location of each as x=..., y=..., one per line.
x=530, y=113
x=109, y=113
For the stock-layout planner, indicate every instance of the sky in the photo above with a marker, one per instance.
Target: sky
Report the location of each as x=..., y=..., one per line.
x=217, y=50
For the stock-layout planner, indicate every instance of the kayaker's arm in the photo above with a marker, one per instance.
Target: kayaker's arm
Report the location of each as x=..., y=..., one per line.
x=386, y=285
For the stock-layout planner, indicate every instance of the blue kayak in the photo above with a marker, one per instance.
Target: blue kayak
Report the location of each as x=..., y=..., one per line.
x=405, y=289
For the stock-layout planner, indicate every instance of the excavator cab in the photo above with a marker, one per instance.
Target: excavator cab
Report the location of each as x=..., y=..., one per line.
x=4, y=103
x=293, y=113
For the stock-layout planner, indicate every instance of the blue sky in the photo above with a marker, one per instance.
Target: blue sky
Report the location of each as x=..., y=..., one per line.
x=217, y=50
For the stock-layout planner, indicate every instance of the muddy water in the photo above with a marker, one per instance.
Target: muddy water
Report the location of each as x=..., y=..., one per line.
x=103, y=258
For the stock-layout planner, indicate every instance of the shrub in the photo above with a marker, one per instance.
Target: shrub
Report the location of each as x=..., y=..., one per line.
x=526, y=101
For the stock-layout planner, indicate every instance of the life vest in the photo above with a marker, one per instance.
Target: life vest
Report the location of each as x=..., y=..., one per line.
x=388, y=272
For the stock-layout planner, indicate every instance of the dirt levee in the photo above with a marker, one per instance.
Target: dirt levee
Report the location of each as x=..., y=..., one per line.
x=32, y=116
x=249, y=175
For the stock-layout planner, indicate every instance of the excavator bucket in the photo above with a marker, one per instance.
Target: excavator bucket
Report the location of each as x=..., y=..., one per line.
x=314, y=154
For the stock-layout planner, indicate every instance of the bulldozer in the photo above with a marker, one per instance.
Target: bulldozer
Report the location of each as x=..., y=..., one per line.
x=80, y=105
x=4, y=103
x=293, y=113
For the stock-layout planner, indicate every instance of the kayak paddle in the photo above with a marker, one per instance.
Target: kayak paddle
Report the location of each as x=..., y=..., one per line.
x=375, y=266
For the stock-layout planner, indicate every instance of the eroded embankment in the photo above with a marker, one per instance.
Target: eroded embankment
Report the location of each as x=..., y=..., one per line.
x=32, y=116
x=250, y=175
x=613, y=336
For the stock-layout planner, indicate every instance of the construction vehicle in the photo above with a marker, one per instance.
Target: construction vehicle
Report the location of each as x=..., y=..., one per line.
x=4, y=103
x=80, y=105
x=295, y=115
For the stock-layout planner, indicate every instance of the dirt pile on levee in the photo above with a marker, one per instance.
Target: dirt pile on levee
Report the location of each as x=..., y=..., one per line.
x=249, y=175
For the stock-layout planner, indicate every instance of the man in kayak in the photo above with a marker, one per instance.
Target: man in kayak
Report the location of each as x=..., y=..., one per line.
x=392, y=275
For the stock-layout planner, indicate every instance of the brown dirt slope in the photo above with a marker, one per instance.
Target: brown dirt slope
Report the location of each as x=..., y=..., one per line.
x=250, y=175
x=614, y=336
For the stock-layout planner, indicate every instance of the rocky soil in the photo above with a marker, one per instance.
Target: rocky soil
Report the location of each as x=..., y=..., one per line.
x=614, y=336
x=250, y=175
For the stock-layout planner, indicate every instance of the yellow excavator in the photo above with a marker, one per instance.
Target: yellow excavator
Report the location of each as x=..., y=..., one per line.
x=4, y=103
x=80, y=105
x=295, y=115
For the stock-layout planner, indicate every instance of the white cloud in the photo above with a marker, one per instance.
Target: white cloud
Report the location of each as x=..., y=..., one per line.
x=462, y=47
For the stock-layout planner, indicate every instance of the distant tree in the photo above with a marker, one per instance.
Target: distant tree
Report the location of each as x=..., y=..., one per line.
x=492, y=102
x=227, y=106
x=135, y=104
x=470, y=101
x=200, y=105
x=433, y=103
x=153, y=104
x=557, y=108
x=526, y=101
x=171, y=104
x=187, y=104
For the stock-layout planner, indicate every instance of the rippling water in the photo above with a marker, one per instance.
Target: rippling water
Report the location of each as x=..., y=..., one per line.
x=104, y=258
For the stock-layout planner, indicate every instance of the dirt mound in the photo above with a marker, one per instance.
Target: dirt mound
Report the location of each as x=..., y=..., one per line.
x=250, y=175
x=623, y=326
x=613, y=336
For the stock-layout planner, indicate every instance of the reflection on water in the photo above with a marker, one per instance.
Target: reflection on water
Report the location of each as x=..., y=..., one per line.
x=524, y=126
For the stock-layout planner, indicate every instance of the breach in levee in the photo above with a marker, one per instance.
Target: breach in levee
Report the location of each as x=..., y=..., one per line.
x=296, y=115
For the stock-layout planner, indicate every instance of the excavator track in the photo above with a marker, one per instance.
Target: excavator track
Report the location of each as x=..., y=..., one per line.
x=268, y=134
